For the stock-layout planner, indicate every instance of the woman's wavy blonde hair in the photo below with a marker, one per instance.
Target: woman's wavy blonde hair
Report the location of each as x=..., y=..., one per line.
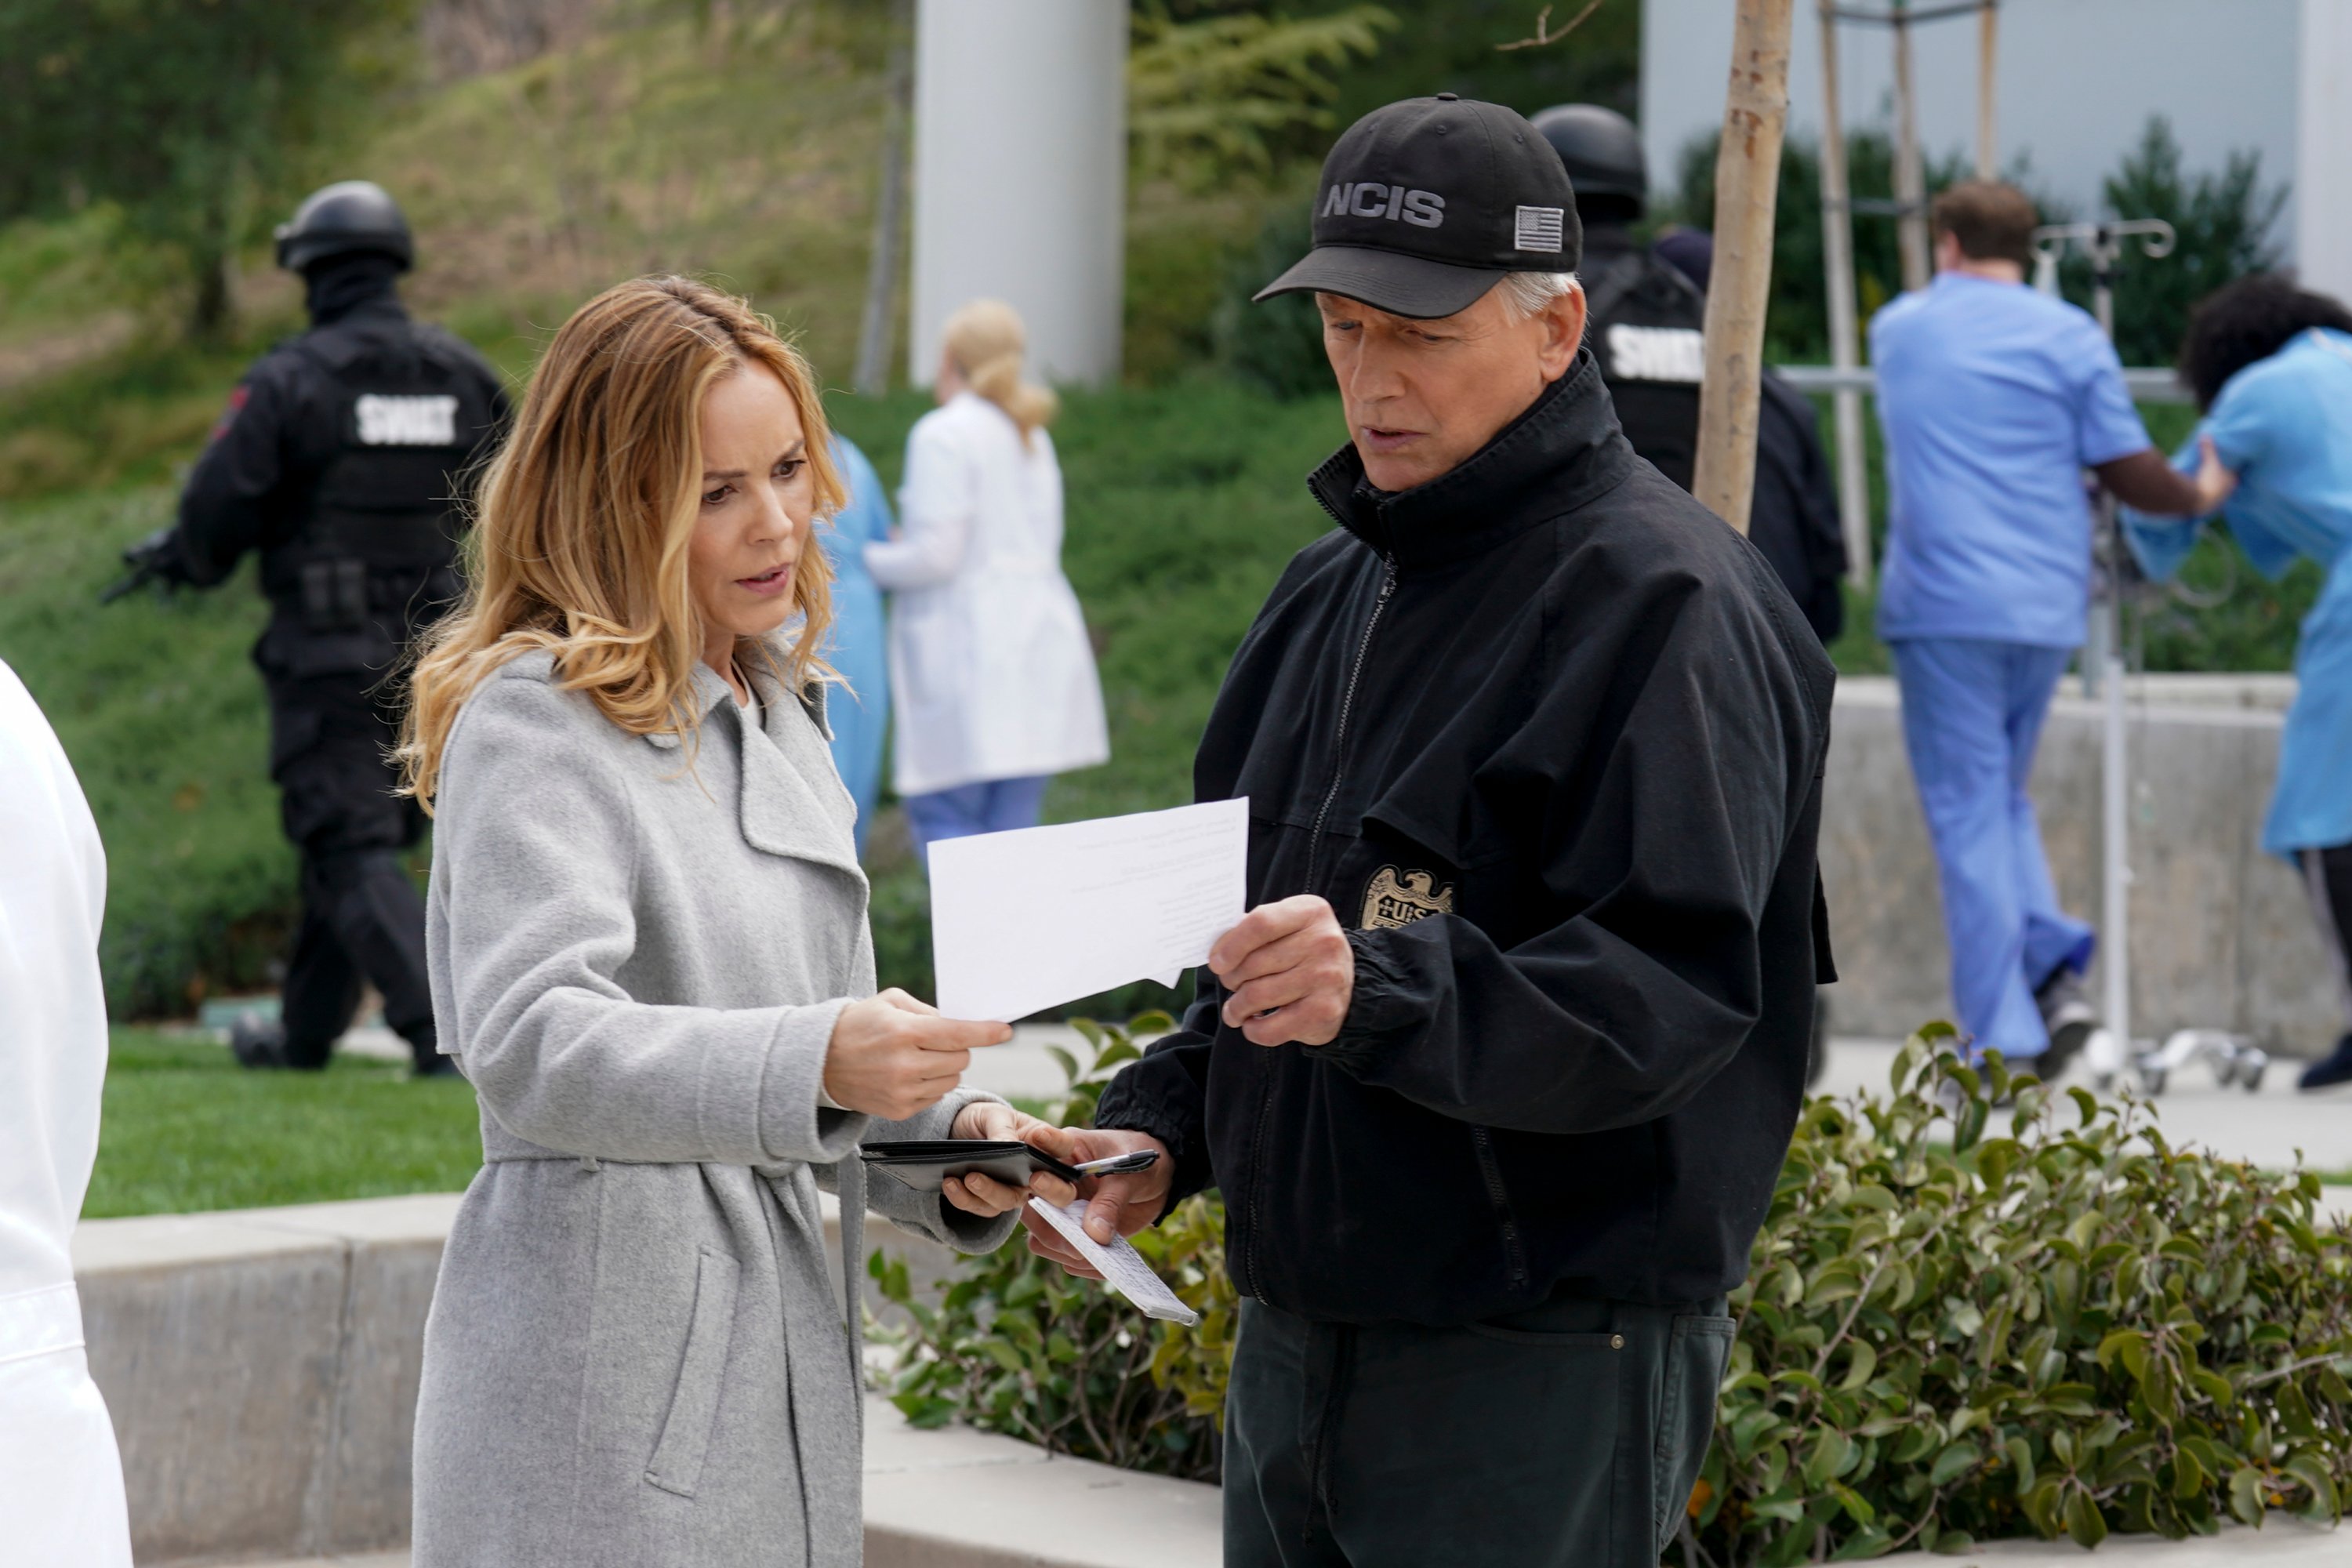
x=986, y=341
x=580, y=541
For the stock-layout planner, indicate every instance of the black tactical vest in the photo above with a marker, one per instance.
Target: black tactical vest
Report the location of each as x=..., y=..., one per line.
x=1647, y=328
x=373, y=555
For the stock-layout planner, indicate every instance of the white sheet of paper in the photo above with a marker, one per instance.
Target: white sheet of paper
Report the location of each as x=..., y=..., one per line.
x=1123, y=1268
x=1039, y=916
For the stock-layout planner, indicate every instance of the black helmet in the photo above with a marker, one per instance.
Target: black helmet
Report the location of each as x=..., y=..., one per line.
x=1599, y=149
x=343, y=219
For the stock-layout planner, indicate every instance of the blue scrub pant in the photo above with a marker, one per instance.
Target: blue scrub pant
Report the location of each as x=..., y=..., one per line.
x=1972, y=713
x=990, y=807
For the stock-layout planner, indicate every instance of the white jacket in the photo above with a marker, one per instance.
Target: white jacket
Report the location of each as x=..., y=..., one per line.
x=991, y=673
x=60, y=1475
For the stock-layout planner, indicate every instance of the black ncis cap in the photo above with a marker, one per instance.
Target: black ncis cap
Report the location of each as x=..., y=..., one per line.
x=1425, y=204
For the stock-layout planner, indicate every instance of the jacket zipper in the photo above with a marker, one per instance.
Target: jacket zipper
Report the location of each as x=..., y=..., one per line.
x=1514, y=1254
x=1249, y=1275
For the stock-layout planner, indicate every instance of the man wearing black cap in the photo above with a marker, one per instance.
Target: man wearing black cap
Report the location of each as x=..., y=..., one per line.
x=339, y=461
x=1498, y=1074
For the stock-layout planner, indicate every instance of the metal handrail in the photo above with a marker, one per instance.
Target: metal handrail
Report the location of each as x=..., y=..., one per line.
x=2147, y=383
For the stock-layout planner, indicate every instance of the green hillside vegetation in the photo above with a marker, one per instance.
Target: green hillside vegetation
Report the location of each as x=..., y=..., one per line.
x=742, y=147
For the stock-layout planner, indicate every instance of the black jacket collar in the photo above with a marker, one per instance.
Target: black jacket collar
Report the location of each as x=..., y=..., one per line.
x=1559, y=454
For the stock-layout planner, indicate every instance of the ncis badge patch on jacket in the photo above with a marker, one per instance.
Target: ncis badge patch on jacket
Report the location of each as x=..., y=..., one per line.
x=1394, y=898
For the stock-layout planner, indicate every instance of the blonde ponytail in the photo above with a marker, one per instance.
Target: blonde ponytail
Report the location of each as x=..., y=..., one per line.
x=986, y=342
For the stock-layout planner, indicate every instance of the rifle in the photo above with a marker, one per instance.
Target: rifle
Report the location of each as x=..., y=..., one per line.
x=153, y=560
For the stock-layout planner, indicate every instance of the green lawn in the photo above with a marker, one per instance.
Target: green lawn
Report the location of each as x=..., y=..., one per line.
x=185, y=1129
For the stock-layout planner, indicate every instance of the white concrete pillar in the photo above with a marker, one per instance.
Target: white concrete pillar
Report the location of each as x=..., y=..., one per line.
x=2323, y=162
x=1021, y=176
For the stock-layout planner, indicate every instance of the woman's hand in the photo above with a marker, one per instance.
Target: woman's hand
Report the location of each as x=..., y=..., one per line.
x=985, y=1195
x=2214, y=482
x=892, y=1055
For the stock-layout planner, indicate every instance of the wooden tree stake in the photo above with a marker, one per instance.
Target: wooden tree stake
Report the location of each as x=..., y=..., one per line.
x=1747, y=191
x=1910, y=178
x=1845, y=349
x=1988, y=142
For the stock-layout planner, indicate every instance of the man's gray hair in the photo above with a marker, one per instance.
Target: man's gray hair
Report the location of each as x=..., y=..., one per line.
x=1527, y=293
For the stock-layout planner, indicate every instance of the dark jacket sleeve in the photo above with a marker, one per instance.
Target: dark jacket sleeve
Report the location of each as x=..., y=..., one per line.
x=1667, y=847
x=232, y=495
x=1165, y=1093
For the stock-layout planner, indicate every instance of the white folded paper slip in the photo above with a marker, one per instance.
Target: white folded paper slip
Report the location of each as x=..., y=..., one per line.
x=1121, y=1266
x=1040, y=916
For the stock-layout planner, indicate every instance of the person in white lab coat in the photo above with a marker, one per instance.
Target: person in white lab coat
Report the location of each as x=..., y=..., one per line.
x=61, y=1474
x=994, y=683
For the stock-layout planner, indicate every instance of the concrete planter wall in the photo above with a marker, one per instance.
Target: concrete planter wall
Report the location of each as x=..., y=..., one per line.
x=2222, y=934
x=261, y=1366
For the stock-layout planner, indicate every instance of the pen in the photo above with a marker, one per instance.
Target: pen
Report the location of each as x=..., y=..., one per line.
x=1119, y=1164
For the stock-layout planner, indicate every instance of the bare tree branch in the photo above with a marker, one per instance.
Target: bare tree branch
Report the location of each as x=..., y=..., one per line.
x=1542, y=38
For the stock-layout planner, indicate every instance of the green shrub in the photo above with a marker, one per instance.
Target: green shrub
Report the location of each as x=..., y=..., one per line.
x=2070, y=1327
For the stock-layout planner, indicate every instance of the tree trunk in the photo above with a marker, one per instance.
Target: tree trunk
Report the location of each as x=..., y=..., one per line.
x=1747, y=191
x=212, y=316
x=873, y=333
x=212, y=261
x=1987, y=92
x=1910, y=177
x=1837, y=254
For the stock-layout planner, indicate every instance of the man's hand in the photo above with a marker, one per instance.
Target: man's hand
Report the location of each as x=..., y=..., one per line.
x=892, y=1055
x=1288, y=971
x=983, y=1194
x=1116, y=1206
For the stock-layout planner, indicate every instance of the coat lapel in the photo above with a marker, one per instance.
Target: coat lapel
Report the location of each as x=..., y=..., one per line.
x=794, y=803
x=793, y=799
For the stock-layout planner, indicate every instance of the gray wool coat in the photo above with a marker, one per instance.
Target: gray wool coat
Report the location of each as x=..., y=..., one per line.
x=638, y=950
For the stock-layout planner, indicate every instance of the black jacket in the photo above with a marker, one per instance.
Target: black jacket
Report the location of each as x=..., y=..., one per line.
x=1793, y=517
x=1549, y=736
x=1653, y=367
x=322, y=466
x=1646, y=324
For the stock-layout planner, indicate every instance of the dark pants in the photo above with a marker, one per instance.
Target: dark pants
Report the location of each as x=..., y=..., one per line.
x=2327, y=874
x=1570, y=1434
x=362, y=917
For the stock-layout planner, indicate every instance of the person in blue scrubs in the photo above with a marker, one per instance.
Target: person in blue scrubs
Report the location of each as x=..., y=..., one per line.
x=1994, y=399
x=858, y=647
x=2271, y=365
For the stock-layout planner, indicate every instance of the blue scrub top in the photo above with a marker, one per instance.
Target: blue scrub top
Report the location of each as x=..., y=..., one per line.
x=1994, y=399
x=858, y=647
x=2283, y=425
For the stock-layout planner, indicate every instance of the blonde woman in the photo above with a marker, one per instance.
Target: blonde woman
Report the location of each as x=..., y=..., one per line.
x=992, y=678
x=647, y=926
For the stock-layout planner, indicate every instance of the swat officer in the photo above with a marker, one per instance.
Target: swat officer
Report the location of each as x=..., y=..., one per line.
x=341, y=458
x=1648, y=324
x=1649, y=332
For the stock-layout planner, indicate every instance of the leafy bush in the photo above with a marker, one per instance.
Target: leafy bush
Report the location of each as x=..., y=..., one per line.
x=1275, y=347
x=2076, y=1327
x=1018, y=1346
x=2221, y=224
x=2068, y=1327
x=1215, y=98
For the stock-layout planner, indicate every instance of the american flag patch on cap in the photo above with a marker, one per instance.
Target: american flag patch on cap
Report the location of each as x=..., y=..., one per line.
x=1539, y=228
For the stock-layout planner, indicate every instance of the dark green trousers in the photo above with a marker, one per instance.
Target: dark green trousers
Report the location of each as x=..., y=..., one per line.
x=1570, y=1434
